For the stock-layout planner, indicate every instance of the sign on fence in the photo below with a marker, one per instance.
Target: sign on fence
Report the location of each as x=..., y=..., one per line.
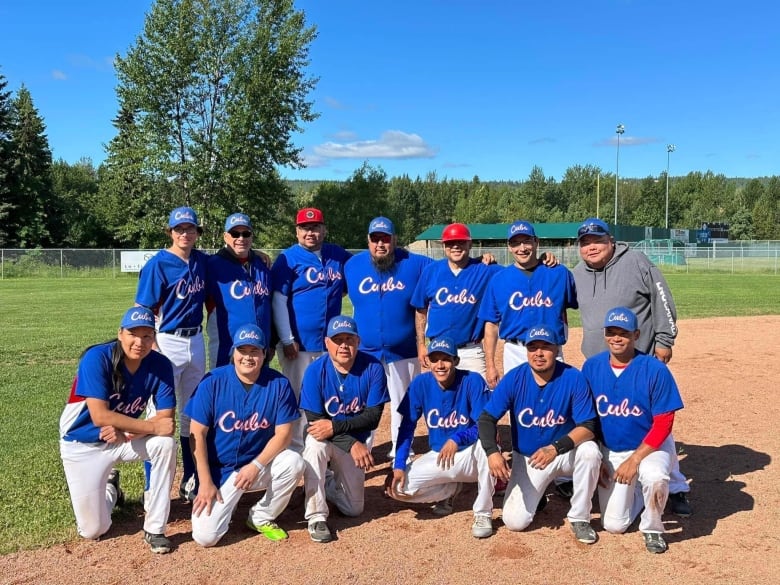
x=134, y=260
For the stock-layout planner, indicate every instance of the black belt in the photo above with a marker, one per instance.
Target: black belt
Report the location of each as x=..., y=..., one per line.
x=184, y=331
x=462, y=345
x=515, y=341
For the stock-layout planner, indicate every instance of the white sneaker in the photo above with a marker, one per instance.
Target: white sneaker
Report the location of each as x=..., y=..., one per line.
x=482, y=527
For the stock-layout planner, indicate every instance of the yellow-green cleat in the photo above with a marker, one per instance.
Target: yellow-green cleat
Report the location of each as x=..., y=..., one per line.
x=270, y=530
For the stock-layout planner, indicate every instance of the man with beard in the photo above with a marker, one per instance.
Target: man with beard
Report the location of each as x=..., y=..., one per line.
x=380, y=282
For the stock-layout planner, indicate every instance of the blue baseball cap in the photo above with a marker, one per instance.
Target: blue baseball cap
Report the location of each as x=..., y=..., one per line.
x=622, y=317
x=237, y=219
x=342, y=324
x=382, y=225
x=137, y=317
x=249, y=335
x=182, y=215
x=443, y=345
x=542, y=333
x=520, y=228
x=593, y=226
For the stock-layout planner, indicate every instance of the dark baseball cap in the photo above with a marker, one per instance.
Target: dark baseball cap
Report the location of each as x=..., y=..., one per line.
x=593, y=226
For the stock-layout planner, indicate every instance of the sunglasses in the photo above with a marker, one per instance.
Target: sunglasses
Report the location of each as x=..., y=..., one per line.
x=591, y=228
x=185, y=230
x=376, y=238
x=235, y=234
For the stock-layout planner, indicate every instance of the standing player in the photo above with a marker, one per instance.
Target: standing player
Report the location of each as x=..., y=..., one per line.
x=242, y=420
x=447, y=298
x=238, y=289
x=450, y=401
x=612, y=275
x=308, y=284
x=173, y=285
x=523, y=295
x=552, y=422
x=100, y=426
x=636, y=400
x=381, y=281
x=343, y=395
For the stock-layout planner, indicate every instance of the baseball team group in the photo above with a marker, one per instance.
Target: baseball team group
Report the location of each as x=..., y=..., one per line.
x=424, y=336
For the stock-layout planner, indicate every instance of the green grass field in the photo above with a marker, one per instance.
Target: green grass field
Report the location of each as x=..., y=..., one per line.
x=46, y=323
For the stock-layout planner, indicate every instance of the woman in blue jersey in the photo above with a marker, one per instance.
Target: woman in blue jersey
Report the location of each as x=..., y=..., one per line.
x=101, y=426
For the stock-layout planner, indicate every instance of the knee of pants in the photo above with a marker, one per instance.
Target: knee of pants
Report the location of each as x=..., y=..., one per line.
x=517, y=521
x=352, y=509
x=588, y=452
x=161, y=447
x=94, y=532
x=291, y=461
x=614, y=524
x=206, y=539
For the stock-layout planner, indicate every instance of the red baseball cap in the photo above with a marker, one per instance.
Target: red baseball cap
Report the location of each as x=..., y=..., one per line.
x=309, y=215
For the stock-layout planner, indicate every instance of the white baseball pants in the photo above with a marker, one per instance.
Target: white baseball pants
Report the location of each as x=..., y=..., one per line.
x=344, y=485
x=278, y=480
x=472, y=358
x=87, y=466
x=293, y=371
x=188, y=356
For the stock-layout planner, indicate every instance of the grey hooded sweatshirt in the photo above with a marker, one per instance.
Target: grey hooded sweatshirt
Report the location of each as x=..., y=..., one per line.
x=628, y=280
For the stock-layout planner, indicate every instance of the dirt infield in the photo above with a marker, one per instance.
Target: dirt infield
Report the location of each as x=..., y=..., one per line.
x=728, y=370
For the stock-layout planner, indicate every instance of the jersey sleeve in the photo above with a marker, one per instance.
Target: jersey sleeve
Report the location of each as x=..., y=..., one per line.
x=501, y=398
x=287, y=410
x=410, y=414
x=282, y=275
x=200, y=407
x=488, y=308
x=311, y=397
x=664, y=394
x=420, y=294
x=583, y=407
x=93, y=379
x=151, y=283
x=377, y=389
x=165, y=394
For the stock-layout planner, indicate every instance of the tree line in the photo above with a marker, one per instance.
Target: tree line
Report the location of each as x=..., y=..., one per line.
x=210, y=96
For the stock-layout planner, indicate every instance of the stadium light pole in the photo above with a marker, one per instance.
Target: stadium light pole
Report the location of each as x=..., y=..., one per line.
x=670, y=148
x=619, y=130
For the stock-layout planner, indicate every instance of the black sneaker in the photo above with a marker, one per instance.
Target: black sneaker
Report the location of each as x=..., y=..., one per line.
x=113, y=479
x=565, y=489
x=188, y=490
x=583, y=532
x=679, y=505
x=159, y=543
x=542, y=504
x=320, y=532
x=654, y=542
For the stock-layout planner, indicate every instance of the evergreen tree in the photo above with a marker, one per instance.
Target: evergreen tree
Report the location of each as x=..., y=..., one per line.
x=7, y=206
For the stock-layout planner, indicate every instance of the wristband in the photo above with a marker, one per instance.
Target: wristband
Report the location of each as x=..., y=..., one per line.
x=259, y=465
x=563, y=445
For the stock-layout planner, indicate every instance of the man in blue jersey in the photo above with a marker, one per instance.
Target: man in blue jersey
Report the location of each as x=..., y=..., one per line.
x=343, y=395
x=242, y=421
x=308, y=284
x=381, y=281
x=448, y=295
x=238, y=289
x=523, y=295
x=636, y=400
x=173, y=285
x=449, y=400
x=552, y=420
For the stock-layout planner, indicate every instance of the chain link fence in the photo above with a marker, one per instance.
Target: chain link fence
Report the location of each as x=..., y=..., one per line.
x=752, y=257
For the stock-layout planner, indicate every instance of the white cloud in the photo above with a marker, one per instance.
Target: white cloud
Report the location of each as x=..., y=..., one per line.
x=57, y=74
x=629, y=141
x=392, y=144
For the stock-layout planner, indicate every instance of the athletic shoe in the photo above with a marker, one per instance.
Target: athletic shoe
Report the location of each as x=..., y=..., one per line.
x=270, y=530
x=320, y=532
x=542, y=504
x=679, y=505
x=654, y=542
x=482, y=527
x=187, y=491
x=444, y=507
x=565, y=489
x=113, y=479
x=500, y=489
x=159, y=543
x=583, y=532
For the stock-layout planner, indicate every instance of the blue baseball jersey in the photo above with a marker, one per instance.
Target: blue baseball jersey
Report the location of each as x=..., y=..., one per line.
x=539, y=416
x=240, y=421
x=449, y=414
x=314, y=286
x=174, y=289
x=340, y=396
x=152, y=380
x=238, y=293
x=626, y=404
x=382, y=303
x=453, y=300
x=518, y=301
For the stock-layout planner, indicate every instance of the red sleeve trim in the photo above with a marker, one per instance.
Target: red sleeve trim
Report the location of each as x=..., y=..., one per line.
x=662, y=428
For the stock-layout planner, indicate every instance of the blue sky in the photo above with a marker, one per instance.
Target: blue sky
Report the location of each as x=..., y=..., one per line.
x=464, y=87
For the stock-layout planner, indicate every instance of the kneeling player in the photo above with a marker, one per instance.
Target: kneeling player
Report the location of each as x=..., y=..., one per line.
x=552, y=421
x=450, y=401
x=242, y=418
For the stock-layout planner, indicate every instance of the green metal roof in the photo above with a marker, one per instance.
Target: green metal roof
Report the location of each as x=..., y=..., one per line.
x=497, y=231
